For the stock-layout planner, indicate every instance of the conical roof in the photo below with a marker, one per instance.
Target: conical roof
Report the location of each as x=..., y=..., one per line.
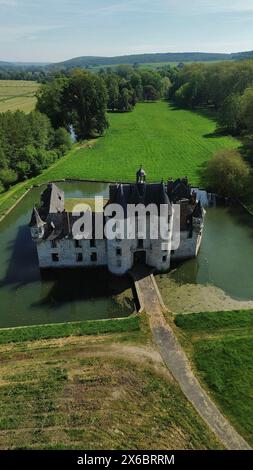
x=36, y=220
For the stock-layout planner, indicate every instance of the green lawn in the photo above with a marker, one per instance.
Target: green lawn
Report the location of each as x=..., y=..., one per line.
x=166, y=141
x=221, y=347
x=60, y=330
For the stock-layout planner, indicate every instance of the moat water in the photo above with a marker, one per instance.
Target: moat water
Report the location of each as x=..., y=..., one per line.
x=219, y=279
x=27, y=297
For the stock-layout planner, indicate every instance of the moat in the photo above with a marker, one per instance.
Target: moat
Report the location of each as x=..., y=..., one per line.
x=220, y=278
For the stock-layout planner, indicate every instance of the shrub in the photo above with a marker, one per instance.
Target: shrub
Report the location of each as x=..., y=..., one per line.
x=228, y=174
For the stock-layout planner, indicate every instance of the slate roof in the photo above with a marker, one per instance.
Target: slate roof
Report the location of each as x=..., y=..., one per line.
x=36, y=220
x=58, y=222
x=52, y=199
x=140, y=193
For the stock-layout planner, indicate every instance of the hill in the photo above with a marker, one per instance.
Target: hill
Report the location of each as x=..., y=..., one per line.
x=243, y=55
x=89, y=61
x=131, y=59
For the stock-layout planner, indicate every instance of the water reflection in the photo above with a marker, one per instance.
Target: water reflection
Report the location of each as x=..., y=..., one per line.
x=29, y=296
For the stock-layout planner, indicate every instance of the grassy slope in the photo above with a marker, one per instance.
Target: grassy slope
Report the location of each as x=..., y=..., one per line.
x=17, y=94
x=94, y=392
x=221, y=347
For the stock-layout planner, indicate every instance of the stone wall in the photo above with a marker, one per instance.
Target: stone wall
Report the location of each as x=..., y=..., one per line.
x=70, y=255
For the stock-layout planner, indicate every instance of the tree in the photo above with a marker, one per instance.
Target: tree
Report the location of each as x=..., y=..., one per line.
x=112, y=84
x=183, y=95
x=230, y=115
x=50, y=101
x=247, y=108
x=166, y=86
x=8, y=177
x=152, y=78
x=228, y=174
x=150, y=93
x=62, y=140
x=42, y=133
x=125, y=100
x=86, y=98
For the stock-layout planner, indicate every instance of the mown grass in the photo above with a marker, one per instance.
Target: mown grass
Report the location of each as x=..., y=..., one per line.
x=90, y=394
x=221, y=347
x=167, y=141
x=96, y=327
x=17, y=94
x=213, y=321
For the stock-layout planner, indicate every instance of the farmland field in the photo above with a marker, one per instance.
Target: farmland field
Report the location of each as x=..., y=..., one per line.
x=17, y=94
x=108, y=391
x=167, y=141
x=221, y=347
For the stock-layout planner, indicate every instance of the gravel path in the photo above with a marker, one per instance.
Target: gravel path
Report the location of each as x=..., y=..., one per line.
x=178, y=364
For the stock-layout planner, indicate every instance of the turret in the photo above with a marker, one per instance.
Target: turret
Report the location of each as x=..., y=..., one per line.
x=37, y=225
x=140, y=175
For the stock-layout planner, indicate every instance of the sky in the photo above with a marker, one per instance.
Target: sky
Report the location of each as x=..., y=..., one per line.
x=56, y=30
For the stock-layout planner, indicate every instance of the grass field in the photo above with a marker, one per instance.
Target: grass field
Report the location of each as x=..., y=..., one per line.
x=167, y=142
x=60, y=330
x=17, y=94
x=221, y=347
x=108, y=391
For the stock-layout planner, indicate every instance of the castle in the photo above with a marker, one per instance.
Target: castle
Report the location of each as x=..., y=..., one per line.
x=52, y=228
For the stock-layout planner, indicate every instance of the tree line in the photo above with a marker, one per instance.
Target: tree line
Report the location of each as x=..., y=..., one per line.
x=75, y=100
x=227, y=88
x=81, y=99
x=28, y=145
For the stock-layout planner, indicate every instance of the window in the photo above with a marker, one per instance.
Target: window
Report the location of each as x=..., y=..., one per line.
x=92, y=243
x=164, y=258
x=118, y=251
x=79, y=257
x=140, y=244
x=78, y=244
x=93, y=257
x=53, y=244
x=172, y=252
x=55, y=257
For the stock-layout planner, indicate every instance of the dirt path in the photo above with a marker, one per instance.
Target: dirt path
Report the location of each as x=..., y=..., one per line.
x=178, y=364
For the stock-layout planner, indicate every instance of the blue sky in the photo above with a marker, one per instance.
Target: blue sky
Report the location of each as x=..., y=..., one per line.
x=54, y=30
